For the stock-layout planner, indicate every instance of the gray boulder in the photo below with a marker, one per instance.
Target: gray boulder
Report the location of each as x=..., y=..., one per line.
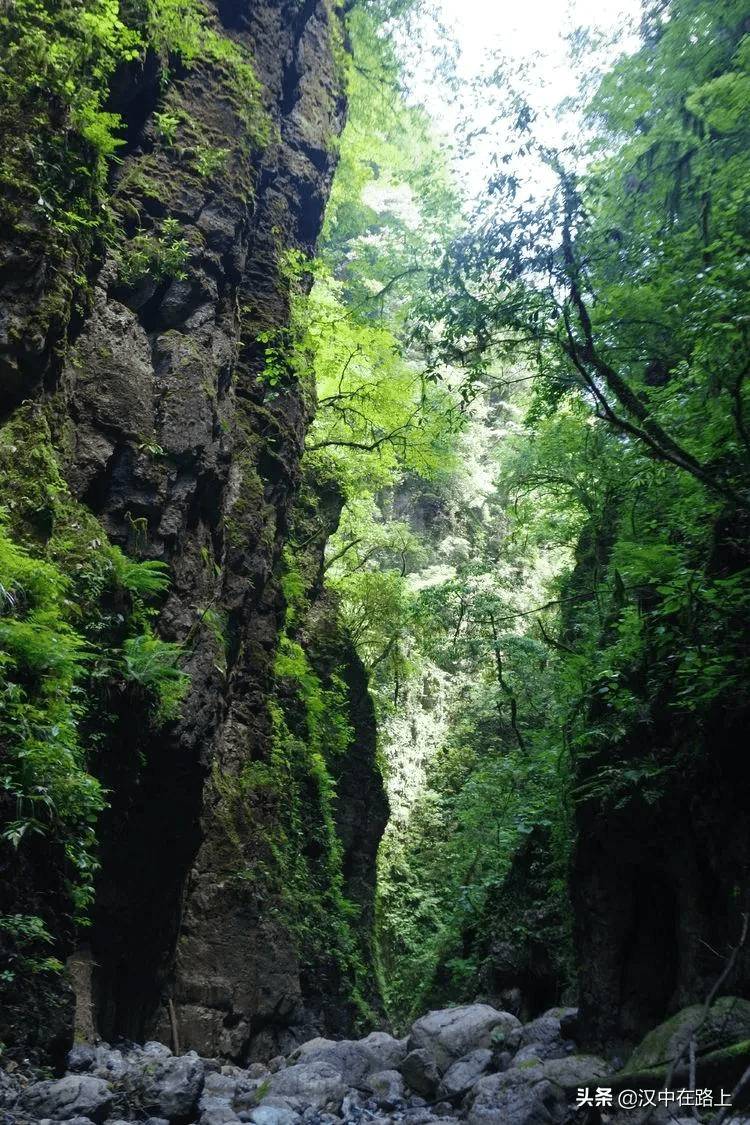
x=156, y=1050
x=574, y=1071
x=512, y=1098
x=420, y=1072
x=111, y=1064
x=387, y=1086
x=217, y=1115
x=81, y=1057
x=465, y=1072
x=453, y=1032
x=535, y=1092
x=171, y=1086
x=540, y=1051
x=317, y=1082
x=354, y=1059
x=218, y=1092
x=384, y=1051
x=347, y=1056
x=65, y=1098
x=274, y=1115
x=248, y=1092
x=9, y=1089
x=80, y=1121
x=543, y=1037
x=216, y=1103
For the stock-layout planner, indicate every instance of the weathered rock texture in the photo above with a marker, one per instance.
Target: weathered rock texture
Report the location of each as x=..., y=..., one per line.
x=171, y=434
x=339, y=1083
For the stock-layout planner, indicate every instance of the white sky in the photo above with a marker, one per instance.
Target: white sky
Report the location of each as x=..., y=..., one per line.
x=526, y=33
x=519, y=27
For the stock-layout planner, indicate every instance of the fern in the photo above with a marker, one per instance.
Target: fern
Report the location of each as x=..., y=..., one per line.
x=142, y=578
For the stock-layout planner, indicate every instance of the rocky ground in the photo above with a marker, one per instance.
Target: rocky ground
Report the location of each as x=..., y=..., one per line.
x=470, y=1064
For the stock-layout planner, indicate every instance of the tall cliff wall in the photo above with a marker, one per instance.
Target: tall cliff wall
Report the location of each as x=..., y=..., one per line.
x=134, y=357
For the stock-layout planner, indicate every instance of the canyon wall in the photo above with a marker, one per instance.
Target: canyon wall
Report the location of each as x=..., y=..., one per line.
x=135, y=361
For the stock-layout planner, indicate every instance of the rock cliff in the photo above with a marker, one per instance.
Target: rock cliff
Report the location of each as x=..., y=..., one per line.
x=135, y=362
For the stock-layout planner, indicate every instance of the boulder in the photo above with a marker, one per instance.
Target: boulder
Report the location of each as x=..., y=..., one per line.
x=172, y=1086
x=274, y=1115
x=574, y=1071
x=65, y=1098
x=727, y=1022
x=535, y=1092
x=387, y=1086
x=317, y=1082
x=354, y=1059
x=453, y=1032
x=217, y=1096
x=514, y=1097
x=420, y=1072
x=217, y=1115
x=111, y=1064
x=347, y=1056
x=156, y=1050
x=539, y=1051
x=249, y=1091
x=80, y=1121
x=465, y=1072
x=81, y=1057
x=384, y=1051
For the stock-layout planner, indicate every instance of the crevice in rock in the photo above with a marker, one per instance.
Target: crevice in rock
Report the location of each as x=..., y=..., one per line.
x=134, y=94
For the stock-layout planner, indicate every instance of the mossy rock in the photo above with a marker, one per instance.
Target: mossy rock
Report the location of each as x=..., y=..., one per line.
x=722, y=1049
x=720, y=1069
x=727, y=1022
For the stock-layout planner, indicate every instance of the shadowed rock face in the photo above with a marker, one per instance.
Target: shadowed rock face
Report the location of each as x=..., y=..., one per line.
x=658, y=880
x=169, y=432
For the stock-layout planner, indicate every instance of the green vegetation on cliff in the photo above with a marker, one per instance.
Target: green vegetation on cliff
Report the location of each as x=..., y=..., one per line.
x=521, y=518
x=562, y=629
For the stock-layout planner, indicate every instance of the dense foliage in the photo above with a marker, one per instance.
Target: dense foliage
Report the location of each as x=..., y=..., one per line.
x=75, y=637
x=556, y=642
x=526, y=495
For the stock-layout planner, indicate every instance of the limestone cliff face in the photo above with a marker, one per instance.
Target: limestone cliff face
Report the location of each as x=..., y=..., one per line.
x=169, y=431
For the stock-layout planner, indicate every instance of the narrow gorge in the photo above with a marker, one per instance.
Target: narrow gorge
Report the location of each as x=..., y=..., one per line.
x=374, y=578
